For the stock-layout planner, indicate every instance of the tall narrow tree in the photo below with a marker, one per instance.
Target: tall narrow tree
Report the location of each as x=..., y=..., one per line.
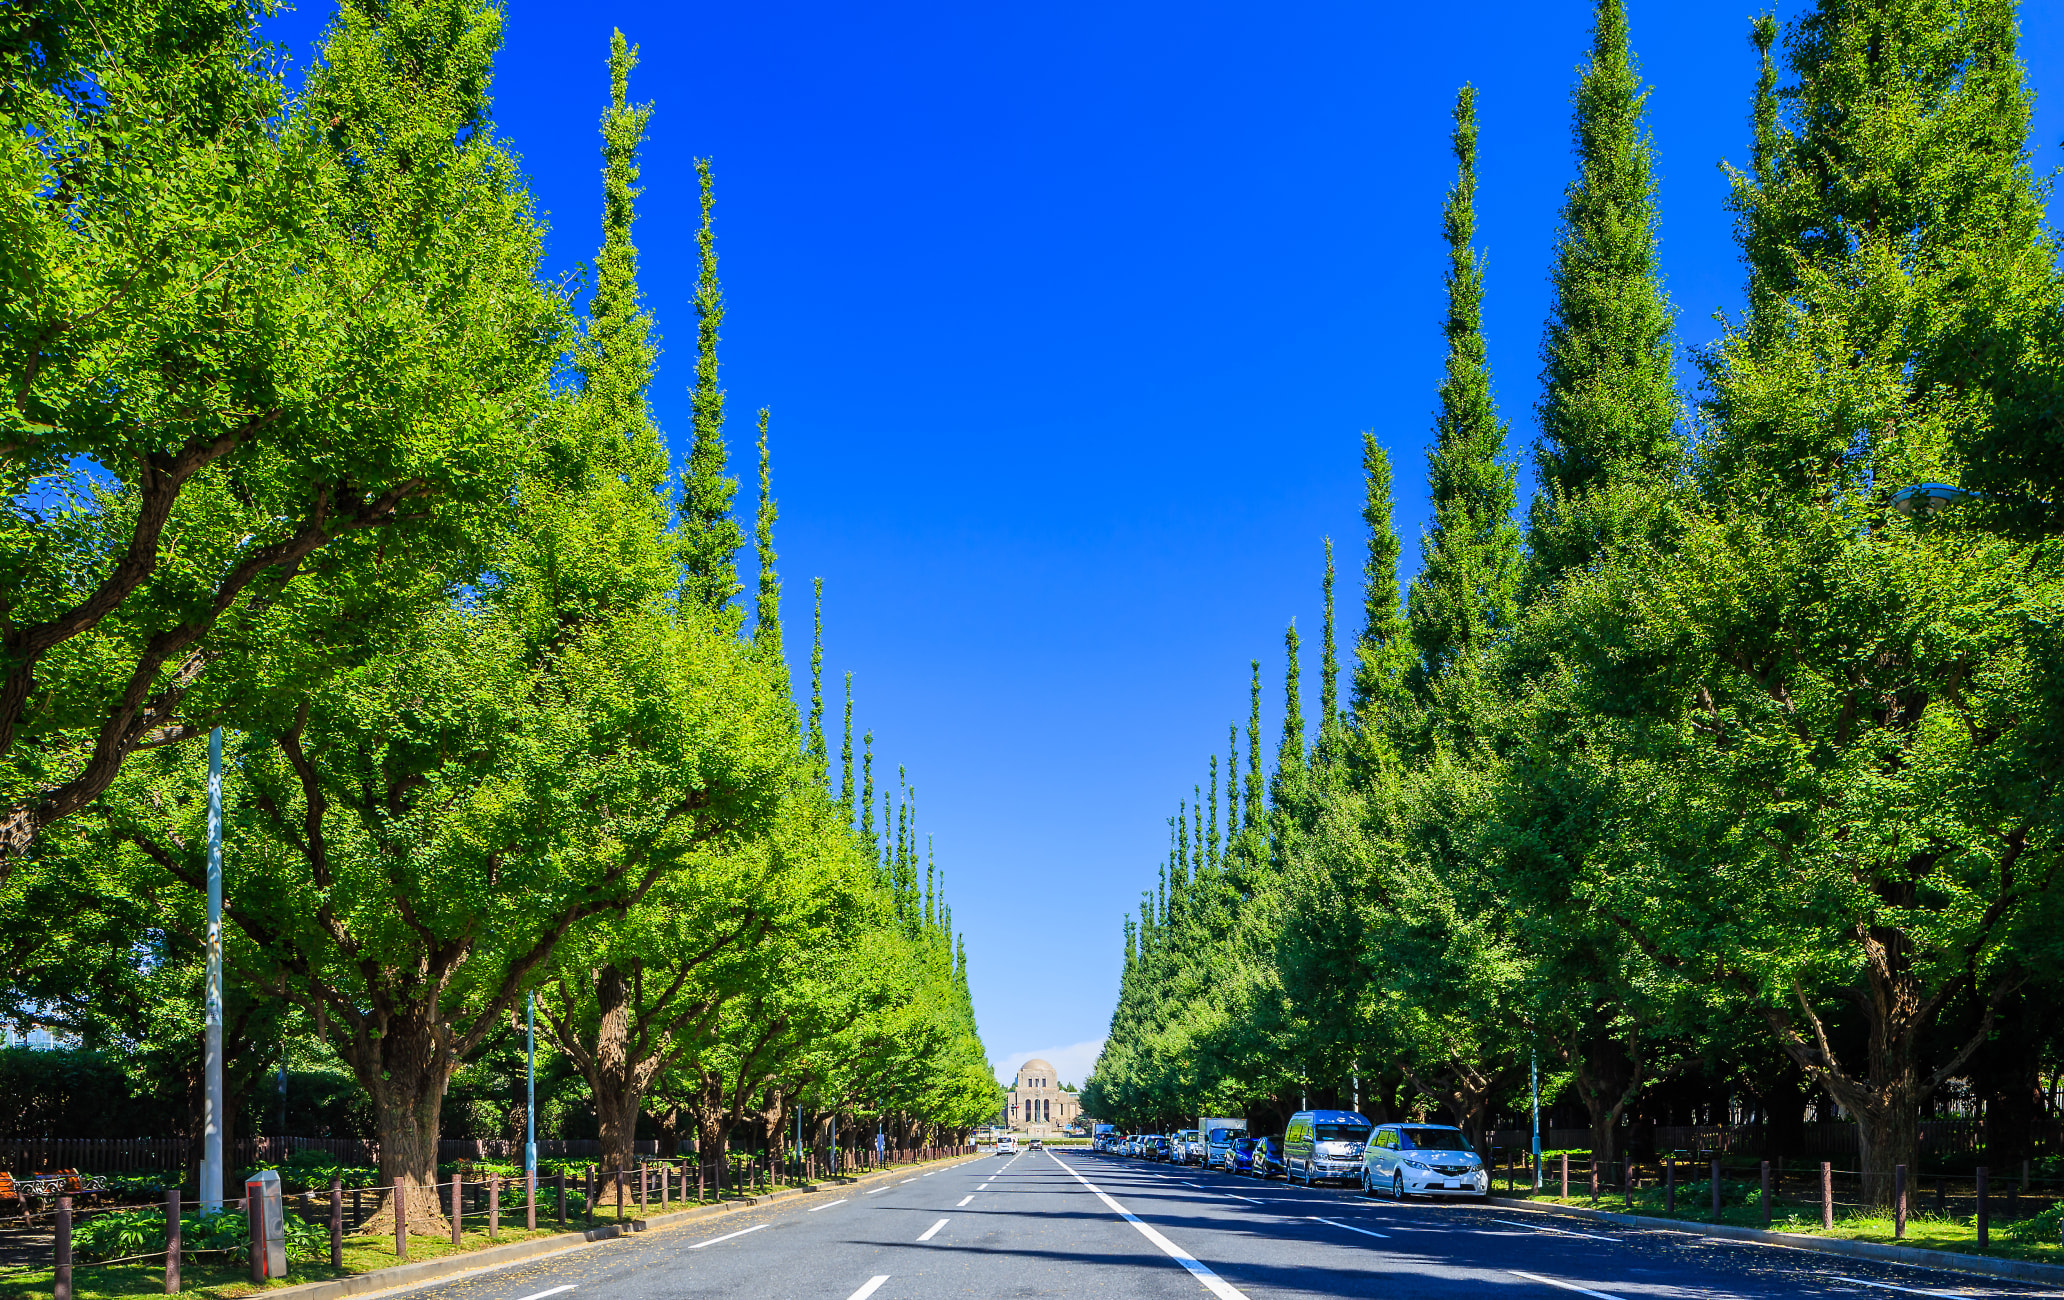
x=846, y=755
x=1290, y=750
x=819, y=750
x=1250, y=813
x=1329, y=672
x=710, y=536
x=1466, y=593
x=1383, y=651
x=1609, y=407
x=767, y=608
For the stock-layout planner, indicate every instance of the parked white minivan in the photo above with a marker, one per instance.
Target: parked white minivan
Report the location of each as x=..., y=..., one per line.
x=1422, y=1160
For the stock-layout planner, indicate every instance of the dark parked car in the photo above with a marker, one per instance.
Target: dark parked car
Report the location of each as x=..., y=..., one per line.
x=1267, y=1160
x=1159, y=1148
x=1238, y=1157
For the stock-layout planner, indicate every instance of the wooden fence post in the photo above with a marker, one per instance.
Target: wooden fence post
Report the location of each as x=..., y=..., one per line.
x=616, y=1176
x=1898, y=1202
x=401, y=1217
x=1628, y=1186
x=173, y=1243
x=559, y=1181
x=1716, y=1189
x=1670, y=1184
x=1766, y=1193
x=336, y=1222
x=530, y=1200
x=1565, y=1175
x=494, y=1206
x=1827, y=1195
x=458, y=1204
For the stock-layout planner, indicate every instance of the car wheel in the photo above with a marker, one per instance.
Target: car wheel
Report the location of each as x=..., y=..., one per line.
x=1397, y=1186
x=1366, y=1189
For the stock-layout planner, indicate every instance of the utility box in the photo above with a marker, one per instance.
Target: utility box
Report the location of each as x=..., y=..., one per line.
x=267, y=1217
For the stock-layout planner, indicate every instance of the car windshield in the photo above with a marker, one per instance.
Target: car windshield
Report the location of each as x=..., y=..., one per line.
x=1244, y=1144
x=1432, y=1139
x=1340, y=1132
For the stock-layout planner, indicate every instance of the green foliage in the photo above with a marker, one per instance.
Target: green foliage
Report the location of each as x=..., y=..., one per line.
x=494, y=726
x=1609, y=406
x=1467, y=588
x=223, y=1235
x=1763, y=762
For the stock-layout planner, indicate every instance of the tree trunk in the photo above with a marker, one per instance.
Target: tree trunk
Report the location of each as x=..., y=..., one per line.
x=406, y=1070
x=710, y=1128
x=1886, y=1101
x=614, y=1079
x=1608, y=1078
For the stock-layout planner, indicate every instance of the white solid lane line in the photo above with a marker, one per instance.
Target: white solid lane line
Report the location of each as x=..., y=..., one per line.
x=728, y=1236
x=1561, y=1232
x=1350, y=1227
x=965, y=1199
x=926, y=1235
x=827, y=1205
x=873, y=1284
x=554, y=1291
x=1213, y=1283
x=1567, y=1286
x=1887, y=1286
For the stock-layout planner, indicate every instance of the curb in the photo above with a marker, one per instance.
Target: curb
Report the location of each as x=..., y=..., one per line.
x=407, y=1277
x=2020, y=1270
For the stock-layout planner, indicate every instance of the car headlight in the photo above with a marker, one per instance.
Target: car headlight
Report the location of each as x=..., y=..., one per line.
x=1414, y=1164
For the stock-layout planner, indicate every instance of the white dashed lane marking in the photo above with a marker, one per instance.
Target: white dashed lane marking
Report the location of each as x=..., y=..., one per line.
x=728, y=1236
x=1567, y=1286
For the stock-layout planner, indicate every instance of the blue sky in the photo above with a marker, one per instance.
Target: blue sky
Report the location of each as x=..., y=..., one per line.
x=1070, y=317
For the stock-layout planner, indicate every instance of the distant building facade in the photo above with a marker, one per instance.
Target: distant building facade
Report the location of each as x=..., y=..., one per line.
x=1037, y=1105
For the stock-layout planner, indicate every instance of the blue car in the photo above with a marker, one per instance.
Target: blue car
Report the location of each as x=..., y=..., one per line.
x=1238, y=1157
x=1267, y=1158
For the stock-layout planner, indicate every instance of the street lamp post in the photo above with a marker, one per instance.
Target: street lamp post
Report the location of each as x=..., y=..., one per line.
x=1534, y=1086
x=212, y=1113
x=530, y=1087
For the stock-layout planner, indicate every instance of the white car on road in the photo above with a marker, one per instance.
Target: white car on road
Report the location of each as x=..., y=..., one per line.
x=1007, y=1145
x=1422, y=1160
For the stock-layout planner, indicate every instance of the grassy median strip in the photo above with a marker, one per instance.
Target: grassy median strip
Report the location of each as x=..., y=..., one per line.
x=2034, y=1238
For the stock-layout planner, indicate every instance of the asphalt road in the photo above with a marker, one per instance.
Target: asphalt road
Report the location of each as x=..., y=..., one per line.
x=1082, y=1224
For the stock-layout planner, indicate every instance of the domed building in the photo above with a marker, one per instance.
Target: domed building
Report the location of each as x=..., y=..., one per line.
x=1038, y=1106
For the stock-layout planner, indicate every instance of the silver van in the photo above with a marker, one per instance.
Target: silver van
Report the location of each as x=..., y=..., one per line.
x=1422, y=1160
x=1324, y=1144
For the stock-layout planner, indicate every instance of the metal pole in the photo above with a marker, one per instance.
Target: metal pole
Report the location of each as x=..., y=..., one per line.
x=1534, y=1082
x=530, y=1085
x=214, y=1109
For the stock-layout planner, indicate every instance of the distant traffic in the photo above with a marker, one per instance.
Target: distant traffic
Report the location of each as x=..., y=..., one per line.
x=1319, y=1146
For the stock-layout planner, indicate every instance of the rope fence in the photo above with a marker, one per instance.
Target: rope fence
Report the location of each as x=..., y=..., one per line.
x=647, y=1186
x=1763, y=1186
